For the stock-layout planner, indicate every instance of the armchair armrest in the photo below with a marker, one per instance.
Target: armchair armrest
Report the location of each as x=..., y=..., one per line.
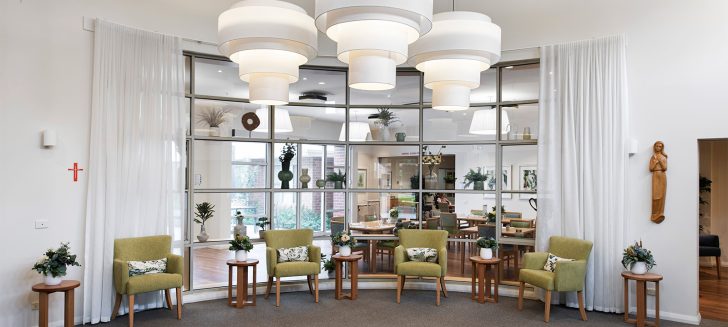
x=175, y=264
x=535, y=260
x=399, y=256
x=442, y=259
x=314, y=254
x=121, y=275
x=569, y=275
x=271, y=258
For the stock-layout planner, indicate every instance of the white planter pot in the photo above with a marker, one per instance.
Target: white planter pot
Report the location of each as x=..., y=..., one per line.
x=486, y=253
x=345, y=251
x=50, y=280
x=639, y=268
x=241, y=255
x=214, y=131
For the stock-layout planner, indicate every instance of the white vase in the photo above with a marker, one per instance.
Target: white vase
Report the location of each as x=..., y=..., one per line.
x=385, y=134
x=241, y=255
x=305, y=178
x=486, y=253
x=50, y=280
x=214, y=131
x=639, y=268
x=345, y=251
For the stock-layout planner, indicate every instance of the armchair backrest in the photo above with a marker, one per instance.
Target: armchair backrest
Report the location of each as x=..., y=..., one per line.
x=571, y=248
x=709, y=240
x=277, y=239
x=142, y=248
x=421, y=238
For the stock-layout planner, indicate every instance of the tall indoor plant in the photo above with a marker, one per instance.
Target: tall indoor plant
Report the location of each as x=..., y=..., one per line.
x=203, y=212
x=285, y=175
x=54, y=263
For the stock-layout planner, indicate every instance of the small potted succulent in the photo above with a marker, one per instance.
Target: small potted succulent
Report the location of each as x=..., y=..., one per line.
x=638, y=259
x=54, y=263
x=203, y=212
x=344, y=241
x=338, y=178
x=262, y=224
x=328, y=265
x=487, y=245
x=241, y=245
x=477, y=178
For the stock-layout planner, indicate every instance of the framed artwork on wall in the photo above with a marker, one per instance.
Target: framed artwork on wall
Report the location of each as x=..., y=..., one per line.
x=361, y=178
x=490, y=183
x=527, y=180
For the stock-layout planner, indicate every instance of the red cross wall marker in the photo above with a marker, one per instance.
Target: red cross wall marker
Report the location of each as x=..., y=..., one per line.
x=75, y=171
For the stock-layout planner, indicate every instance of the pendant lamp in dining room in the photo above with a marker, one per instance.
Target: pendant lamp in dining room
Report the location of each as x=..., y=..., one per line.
x=372, y=36
x=459, y=47
x=269, y=40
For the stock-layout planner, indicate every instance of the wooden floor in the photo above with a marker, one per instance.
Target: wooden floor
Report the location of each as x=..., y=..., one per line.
x=713, y=294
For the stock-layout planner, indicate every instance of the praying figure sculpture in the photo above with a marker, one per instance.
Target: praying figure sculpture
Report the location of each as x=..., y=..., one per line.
x=658, y=167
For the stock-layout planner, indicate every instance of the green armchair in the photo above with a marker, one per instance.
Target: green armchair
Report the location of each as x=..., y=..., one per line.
x=277, y=239
x=403, y=267
x=143, y=249
x=567, y=277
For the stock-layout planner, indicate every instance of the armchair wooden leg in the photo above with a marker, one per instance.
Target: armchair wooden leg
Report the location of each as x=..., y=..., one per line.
x=316, y=284
x=717, y=265
x=267, y=288
x=278, y=291
x=582, y=312
x=178, y=290
x=547, y=309
x=117, y=304
x=310, y=289
x=437, y=289
x=444, y=287
x=404, y=278
x=168, y=298
x=521, y=286
x=131, y=309
x=399, y=288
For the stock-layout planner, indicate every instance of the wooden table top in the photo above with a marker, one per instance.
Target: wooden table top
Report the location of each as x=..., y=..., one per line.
x=479, y=219
x=351, y=258
x=650, y=277
x=507, y=231
x=249, y=262
x=491, y=261
x=371, y=226
x=65, y=285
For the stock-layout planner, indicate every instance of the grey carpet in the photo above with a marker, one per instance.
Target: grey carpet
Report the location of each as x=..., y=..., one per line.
x=375, y=308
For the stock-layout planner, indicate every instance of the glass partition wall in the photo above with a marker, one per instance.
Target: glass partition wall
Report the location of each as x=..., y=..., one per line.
x=403, y=165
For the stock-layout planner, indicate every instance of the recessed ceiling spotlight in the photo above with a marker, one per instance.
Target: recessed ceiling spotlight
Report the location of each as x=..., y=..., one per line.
x=305, y=78
x=508, y=67
x=321, y=83
x=219, y=70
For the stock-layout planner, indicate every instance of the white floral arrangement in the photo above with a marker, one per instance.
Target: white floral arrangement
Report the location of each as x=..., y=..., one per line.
x=394, y=213
x=343, y=239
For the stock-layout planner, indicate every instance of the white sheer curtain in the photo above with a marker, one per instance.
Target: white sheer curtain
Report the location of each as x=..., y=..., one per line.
x=582, y=158
x=136, y=169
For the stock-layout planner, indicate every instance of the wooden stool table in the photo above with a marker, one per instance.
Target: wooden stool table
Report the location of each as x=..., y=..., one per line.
x=44, y=290
x=241, y=293
x=339, y=264
x=482, y=267
x=641, y=281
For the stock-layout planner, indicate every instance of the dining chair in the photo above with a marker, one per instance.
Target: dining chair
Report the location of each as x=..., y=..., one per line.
x=368, y=218
x=512, y=214
x=433, y=223
x=506, y=252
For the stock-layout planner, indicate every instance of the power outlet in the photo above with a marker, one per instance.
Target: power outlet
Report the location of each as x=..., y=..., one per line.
x=651, y=290
x=41, y=224
x=34, y=305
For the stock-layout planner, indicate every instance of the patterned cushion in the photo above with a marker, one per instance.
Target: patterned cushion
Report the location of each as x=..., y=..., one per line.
x=550, y=265
x=422, y=254
x=137, y=268
x=299, y=253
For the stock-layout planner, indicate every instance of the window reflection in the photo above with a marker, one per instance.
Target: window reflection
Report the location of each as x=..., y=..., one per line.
x=384, y=167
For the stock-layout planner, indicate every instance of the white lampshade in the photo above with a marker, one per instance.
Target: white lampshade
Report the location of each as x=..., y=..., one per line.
x=372, y=36
x=483, y=122
x=358, y=132
x=268, y=39
x=460, y=46
x=282, y=119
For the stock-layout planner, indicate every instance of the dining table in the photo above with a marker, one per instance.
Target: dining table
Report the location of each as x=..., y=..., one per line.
x=372, y=227
x=475, y=220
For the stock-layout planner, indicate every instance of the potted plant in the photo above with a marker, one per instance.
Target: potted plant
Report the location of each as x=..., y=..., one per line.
x=287, y=154
x=477, y=178
x=261, y=224
x=487, y=245
x=450, y=181
x=214, y=118
x=415, y=182
x=239, y=228
x=344, y=241
x=384, y=118
x=338, y=178
x=491, y=214
x=393, y=214
x=203, y=212
x=328, y=265
x=53, y=264
x=241, y=245
x=638, y=259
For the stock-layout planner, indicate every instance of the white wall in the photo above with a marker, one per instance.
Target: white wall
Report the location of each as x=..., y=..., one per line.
x=677, y=72
x=714, y=166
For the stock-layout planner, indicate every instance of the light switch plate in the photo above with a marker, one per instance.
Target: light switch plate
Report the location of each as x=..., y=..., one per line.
x=41, y=224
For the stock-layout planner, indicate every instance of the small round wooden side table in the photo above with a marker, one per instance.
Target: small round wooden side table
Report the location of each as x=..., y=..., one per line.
x=641, y=298
x=482, y=267
x=241, y=292
x=44, y=290
x=339, y=263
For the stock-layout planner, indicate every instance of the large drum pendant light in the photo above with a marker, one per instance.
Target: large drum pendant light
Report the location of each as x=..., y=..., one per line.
x=268, y=39
x=460, y=46
x=372, y=36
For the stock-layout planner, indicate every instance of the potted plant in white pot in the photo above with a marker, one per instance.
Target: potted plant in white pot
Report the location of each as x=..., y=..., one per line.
x=344, y=241
x=214, y=118
x=477, y=178
x=487, y=245
x=203, y=212
x=54, y=263
x=638, y=259
x=262, y=224
x=241, y=245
